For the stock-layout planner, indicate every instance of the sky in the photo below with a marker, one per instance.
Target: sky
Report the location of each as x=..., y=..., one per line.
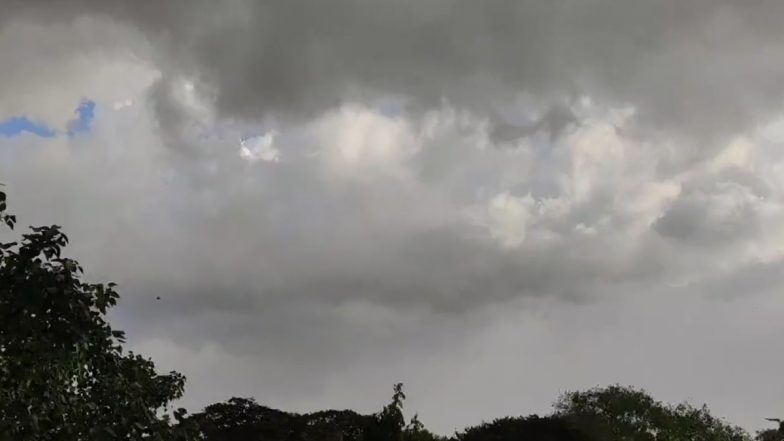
x=493, y=202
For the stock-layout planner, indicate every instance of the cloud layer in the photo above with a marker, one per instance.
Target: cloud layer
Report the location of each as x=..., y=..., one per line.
x=490, y=202
x=703, y=67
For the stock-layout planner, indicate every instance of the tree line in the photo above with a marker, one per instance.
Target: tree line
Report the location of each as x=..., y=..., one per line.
x=65, y=375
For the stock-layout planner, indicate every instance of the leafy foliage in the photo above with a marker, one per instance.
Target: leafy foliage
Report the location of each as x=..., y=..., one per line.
x=769, y=435
x=531, y=428
x=772, y=434
x=244, y=419
x=620, y=413
x=7, y=219
x=388, y=424
x=63, y=372
x=415, y=431
x=241, y=419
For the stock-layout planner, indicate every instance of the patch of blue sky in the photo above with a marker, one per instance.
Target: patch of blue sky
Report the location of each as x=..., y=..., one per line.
x=19, y=125
x=85, y=114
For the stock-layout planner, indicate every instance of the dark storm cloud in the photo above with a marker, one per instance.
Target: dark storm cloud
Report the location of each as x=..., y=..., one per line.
x=702, y=67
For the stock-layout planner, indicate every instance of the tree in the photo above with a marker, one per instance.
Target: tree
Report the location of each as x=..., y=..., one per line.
x=393, y=412
x=619, y=413
x=7, y=219
x=63, y=372
x=769, y=435
x=242, y=419
x=337, y=425
x=772, y=434
x=415, y=431
x=532, y=428
x=390, y=423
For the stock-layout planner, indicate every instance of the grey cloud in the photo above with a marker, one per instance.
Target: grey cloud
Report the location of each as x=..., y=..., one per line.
x=554, y=122
x=700, y=67
x=720, y=216
x=306, y=275
x=232, y=248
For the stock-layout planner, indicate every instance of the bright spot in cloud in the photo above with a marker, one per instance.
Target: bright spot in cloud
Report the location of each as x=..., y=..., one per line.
x=260, y=148
x=508, y=217
x=118, y=105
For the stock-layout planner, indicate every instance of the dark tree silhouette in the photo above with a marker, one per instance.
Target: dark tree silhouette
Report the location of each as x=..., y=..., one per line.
x=772, y=434
x=532, y=428
x=243, y=419
x=619, y=413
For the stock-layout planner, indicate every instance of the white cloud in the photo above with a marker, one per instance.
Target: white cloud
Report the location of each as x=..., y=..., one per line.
x=738, y=154
x=507, y=218
x=357, y=141
x=260, y=148
x=122, y=104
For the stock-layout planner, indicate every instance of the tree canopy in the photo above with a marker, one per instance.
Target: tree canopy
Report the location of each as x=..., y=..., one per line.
x=63, y=372
x=243, y=419
x=627, y=414
x=551, y=428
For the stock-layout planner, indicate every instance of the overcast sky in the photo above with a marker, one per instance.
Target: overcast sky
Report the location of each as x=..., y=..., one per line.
x=491, y=201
